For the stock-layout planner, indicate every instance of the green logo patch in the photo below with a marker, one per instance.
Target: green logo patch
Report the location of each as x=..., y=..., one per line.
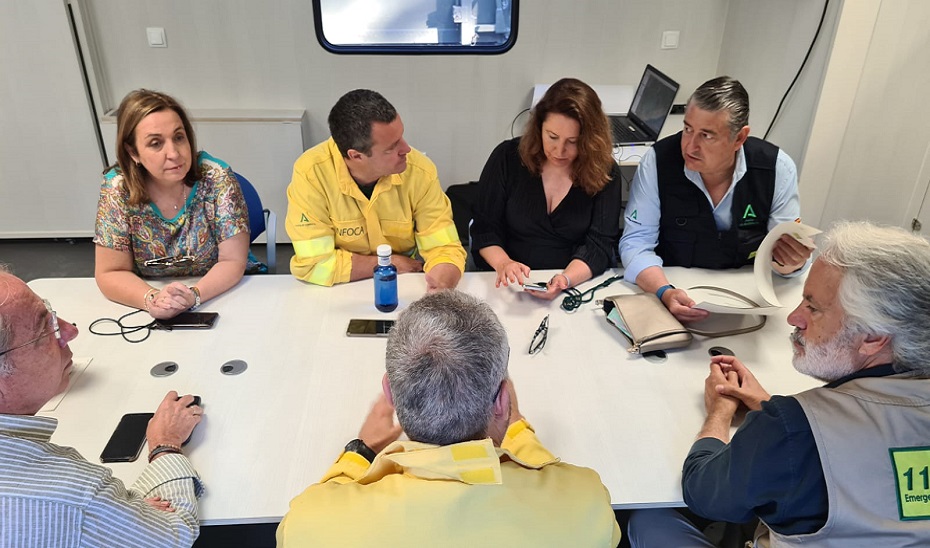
x=749, y=213
x=304, y=219
x=912, y=480
x=633, y=215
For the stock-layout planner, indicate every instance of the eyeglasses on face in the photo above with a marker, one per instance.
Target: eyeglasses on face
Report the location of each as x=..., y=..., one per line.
x=167, y=262
x=541, y=335
x=52, y=328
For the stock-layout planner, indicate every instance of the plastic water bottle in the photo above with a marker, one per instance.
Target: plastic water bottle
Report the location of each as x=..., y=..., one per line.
x=385, y=280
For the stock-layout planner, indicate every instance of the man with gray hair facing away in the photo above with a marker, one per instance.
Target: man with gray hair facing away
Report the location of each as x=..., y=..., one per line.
x=841, y=465
x=707, y=196
x=473, y=472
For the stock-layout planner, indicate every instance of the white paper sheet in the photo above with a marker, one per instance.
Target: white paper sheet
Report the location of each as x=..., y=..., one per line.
x=762, y=267
x=723, y=303
x=78, y=367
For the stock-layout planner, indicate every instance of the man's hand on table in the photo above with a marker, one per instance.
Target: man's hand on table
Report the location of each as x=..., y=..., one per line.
x=173, y=421
x=720, y=409
x=677, y=301
x=747, y=390
x=680, y=305
x=442, y=276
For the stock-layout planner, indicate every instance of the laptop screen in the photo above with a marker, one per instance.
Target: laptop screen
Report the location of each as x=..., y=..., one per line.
x=653, y=99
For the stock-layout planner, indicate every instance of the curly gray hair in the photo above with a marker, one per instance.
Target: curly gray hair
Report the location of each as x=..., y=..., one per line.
x=885, y=289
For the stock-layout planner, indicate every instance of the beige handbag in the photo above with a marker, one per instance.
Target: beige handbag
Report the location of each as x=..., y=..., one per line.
x=644, y=320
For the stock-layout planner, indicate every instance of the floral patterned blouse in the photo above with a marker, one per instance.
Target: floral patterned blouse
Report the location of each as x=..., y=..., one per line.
x=184, y=245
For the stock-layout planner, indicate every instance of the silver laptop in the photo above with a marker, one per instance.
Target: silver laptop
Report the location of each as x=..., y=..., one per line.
x=651, y=105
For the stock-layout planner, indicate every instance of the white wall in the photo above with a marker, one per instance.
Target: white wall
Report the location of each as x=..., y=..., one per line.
x=455, y=108
x=877, y=171
x=49, y=160
x=248, y=54
x=763, y=46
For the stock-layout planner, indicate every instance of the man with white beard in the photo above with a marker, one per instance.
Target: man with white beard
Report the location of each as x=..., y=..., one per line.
x=847, y=464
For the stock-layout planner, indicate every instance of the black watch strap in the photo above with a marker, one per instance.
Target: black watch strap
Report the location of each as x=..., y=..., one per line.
x=358, y=446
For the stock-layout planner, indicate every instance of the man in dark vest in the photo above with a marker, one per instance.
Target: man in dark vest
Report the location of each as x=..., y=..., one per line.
x=845, y=464
x=707, y=196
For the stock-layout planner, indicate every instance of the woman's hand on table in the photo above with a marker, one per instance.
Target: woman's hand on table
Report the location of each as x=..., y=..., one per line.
x=171, y=301
x=511, y=272
x=556, y=285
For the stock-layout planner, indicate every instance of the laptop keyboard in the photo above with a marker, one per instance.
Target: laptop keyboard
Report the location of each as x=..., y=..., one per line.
x=621, y=132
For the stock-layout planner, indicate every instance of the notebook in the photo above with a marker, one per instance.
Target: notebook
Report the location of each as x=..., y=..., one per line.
x=651, y=105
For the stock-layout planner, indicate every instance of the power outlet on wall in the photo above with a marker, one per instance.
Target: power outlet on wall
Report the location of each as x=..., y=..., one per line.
x=156, y=37
x=670, y=39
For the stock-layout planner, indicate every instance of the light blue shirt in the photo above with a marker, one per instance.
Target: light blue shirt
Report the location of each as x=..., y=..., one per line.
x=643, y=211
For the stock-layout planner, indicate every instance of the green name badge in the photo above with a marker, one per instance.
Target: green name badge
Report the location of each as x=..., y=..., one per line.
x=912, y=481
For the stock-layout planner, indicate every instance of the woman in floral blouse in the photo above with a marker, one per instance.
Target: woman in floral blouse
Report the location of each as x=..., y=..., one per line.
x=166, y=210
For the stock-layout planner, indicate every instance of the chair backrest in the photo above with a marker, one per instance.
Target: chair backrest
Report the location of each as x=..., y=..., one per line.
x=254, y=204
x=463, y=198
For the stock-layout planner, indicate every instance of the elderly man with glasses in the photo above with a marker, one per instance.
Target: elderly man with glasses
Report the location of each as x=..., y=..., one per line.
x=472, y=473
x=50, y=495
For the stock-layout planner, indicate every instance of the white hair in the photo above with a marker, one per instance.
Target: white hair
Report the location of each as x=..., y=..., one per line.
x=885, y=288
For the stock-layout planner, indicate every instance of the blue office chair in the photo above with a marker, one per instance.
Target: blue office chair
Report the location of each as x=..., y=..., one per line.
x=260, y=219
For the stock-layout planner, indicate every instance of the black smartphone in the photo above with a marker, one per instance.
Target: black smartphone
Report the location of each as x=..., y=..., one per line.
x=127, y=440
x=189, y=320
x=369, y=328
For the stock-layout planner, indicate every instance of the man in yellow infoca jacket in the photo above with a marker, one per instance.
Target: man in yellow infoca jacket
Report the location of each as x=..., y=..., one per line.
x=364, y=187
x=473, y=472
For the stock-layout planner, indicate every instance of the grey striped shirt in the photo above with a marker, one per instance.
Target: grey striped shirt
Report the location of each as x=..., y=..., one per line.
x=52, y=496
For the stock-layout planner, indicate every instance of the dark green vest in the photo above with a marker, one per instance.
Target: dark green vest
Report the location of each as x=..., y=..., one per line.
x=688, y=234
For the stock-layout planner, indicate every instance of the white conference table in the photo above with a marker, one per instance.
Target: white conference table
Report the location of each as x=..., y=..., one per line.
x=275, y=429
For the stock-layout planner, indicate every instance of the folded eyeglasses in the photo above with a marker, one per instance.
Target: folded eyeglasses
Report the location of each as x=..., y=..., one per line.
x=167, y=262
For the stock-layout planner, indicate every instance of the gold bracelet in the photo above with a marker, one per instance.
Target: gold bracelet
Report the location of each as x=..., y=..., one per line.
x=196, y=293
x=149, y=295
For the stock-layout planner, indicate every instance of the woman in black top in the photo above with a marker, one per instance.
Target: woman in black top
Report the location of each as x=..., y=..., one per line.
x=551, y=199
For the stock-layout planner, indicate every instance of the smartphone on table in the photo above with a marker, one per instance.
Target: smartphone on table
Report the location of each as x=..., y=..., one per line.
x=369, y=328
x=127, y=440
x=536, y=286
x=189, y=320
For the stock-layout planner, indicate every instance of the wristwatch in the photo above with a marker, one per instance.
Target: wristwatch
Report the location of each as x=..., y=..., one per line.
x=358, y=446
x=196, y=293
x=661, y=291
